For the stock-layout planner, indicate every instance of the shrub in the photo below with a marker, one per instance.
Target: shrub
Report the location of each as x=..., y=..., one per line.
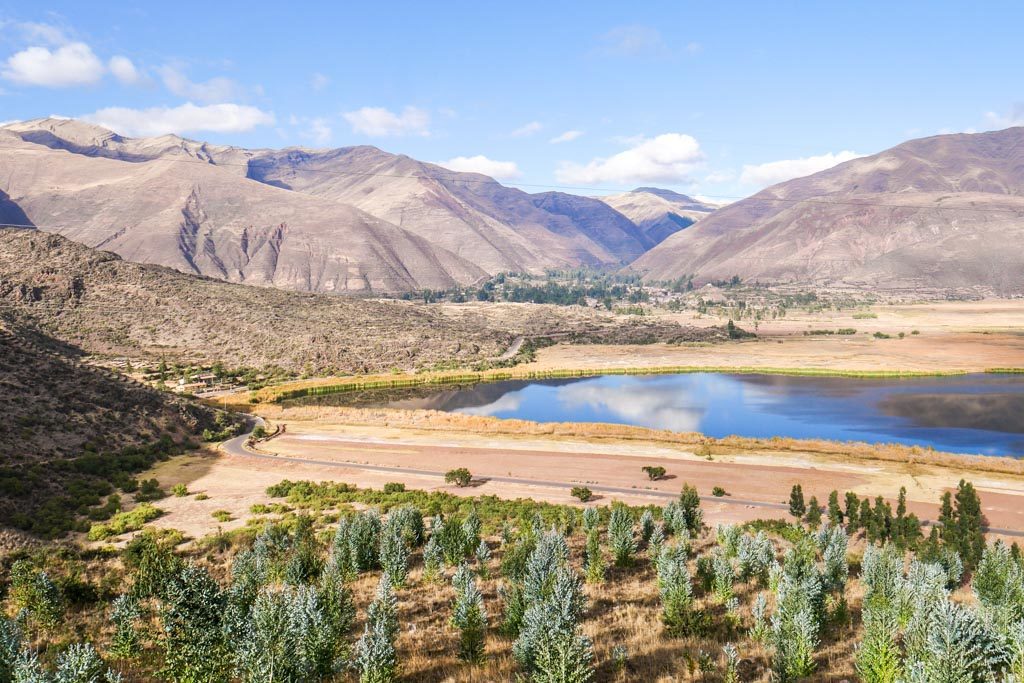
x=654, y=472
x=179, y=490
x=461, y=477
x=221, y=515
x=718, y=492
x=394, y=556
x=123, y=522
x=394, y=487
x=582, y=492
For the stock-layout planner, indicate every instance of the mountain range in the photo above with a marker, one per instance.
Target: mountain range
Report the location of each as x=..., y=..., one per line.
x=354, y=219
x=943, y=212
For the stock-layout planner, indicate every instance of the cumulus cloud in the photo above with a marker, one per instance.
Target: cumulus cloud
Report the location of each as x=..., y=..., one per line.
x=44, y=33
x=1014, y=118
x=66, y=66
x=215, y=90
x=634, y=41
x=667, y=158
x=187, y=118
x=503, y=170
x=124, y=70
x=381, y=122
x=527, y=130
x=763, y=175
x=567, y=136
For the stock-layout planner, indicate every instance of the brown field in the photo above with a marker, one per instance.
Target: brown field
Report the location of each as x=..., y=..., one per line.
x=965, y=336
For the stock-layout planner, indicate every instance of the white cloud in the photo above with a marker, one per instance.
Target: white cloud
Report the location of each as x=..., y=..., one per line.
x=45, y=33
x=381, y=122
x=187, y=118
x=318, y=131
x=667, y=158
x=318, y=81
x=527, y=130
x=567, y=136
x=763, y=175
x=212, y=91
x=634, y=41
x=69, y=65
x=693, y=48
x=1014, y=118
x=503, y=170
x=124, y=70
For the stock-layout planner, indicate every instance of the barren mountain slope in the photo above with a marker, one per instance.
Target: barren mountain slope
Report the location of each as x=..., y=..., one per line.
x=491, y=226
x=500, y=228
x=659, y=213
x=204, y=219
x=945, y=212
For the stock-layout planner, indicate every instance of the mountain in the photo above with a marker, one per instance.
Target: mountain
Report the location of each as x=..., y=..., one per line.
x=163, y=202
x=944, y=212
x=658, y=213
x=497, y=227
x=353, y=219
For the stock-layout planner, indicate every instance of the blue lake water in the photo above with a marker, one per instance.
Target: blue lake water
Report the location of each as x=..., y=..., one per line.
x=967, y=414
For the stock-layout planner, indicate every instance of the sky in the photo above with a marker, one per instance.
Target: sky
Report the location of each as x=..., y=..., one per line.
x=714, y=99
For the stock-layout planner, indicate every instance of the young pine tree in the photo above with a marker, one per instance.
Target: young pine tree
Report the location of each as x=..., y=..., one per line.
x=797, y=507
x=620, y=535
x=470, y=617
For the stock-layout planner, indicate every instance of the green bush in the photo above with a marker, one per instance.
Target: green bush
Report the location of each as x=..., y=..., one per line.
x=123, y=522
x=582, y=492
x=461, y=477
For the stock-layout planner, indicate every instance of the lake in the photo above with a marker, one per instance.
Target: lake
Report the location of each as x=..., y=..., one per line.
x=966, y=414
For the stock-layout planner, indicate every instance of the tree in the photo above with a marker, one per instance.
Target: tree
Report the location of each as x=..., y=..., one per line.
x=195, y=647
x=676, y=591
x=376, y=658
x=654, y=472
x=813, y=516
x=852, y=511
x=125, y=614
x=80, y=663
x=878, y=655
x=835, y=513
x=461, y=477
x=969, y=524
x=394, y=555
x=620, y=535
x=593, y=560
x=582, y=492
x=470, y=617
x=797, y=507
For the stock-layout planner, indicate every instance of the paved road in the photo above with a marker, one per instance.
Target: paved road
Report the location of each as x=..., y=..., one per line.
x=236, y=447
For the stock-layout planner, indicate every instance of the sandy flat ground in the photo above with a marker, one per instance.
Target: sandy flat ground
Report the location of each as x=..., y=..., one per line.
x=545, y=470
x=968, y=336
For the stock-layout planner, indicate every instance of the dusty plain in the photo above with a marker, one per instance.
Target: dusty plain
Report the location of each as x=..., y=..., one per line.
x=369, y=449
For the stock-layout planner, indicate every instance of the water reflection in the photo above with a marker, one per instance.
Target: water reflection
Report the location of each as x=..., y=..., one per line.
x=975, y=413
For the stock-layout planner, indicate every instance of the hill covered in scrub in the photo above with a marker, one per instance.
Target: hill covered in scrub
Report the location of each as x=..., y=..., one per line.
x=105, y=305
x=69, y=430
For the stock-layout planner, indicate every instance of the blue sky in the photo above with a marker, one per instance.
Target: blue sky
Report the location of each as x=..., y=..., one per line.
x=716, y=99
